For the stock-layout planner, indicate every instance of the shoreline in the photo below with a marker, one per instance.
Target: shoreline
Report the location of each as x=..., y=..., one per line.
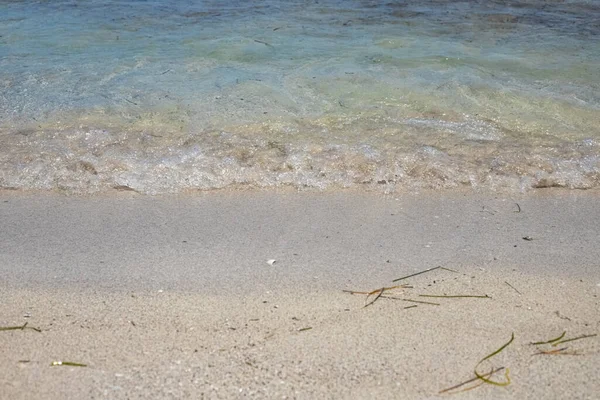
x=173, y=295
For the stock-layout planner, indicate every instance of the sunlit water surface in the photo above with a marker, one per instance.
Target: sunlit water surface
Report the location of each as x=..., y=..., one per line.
x=169, y=96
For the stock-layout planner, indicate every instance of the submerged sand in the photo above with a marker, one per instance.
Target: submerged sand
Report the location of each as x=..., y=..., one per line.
x=172, y=297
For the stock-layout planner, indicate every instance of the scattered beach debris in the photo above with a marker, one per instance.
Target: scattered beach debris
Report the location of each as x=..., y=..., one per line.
x=378, y=293
x=67, y=364
x=271, y=262
x=555, y=342
x=308, y=328
x=386, y=292
x=487, y=380
x=518, y=208
x=19, y=328
x=481, y=376
x=485, y=377
x=573, y=339
x=528, y=238
x=558, y=340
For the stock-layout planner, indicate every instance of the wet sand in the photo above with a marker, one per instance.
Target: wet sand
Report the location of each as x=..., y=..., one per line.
x=171, y=297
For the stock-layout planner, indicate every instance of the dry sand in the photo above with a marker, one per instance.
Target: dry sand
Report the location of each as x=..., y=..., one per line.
x=172, y=297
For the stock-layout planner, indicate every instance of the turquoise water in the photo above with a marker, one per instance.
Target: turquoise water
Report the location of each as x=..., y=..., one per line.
x=172, y=96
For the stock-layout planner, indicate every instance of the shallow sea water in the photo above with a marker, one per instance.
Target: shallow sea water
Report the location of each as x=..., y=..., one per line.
x=170, y=96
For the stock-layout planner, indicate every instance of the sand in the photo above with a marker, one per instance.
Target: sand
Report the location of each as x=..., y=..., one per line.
x=173, y=297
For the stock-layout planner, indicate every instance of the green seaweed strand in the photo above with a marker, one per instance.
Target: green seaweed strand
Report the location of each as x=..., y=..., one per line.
x=573, y=339
x=19, y=328
x=486, y=380
x=67, y=363
x=552, y=340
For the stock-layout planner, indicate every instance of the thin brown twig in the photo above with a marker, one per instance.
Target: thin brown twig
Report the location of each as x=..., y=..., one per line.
x=417, y=273
x=485, y=296
x=514, y=288
x=263, y=42
x=378, y=294
x=384, y=296
x=489, y=374
x=422, y=272
x=376, y=290
x=411, y=300
x=354, y=292
x=560, y=351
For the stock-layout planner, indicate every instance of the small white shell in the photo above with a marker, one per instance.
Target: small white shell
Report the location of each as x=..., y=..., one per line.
x=271, y=262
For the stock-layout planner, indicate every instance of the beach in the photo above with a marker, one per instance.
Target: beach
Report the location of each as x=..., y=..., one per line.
x=306, y=200
x=233, y=294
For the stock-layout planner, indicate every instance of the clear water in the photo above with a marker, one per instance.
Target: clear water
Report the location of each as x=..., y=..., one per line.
x=169, y=96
